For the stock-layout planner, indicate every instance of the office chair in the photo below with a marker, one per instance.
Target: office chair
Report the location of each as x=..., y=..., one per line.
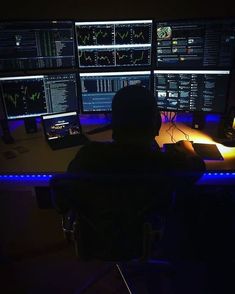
x=114, y=218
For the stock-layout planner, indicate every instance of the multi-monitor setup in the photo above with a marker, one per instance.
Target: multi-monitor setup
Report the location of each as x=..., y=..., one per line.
x=59, y=66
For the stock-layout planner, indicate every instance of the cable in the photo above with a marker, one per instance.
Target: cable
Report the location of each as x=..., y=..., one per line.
x=171, y=133
x=185, y=134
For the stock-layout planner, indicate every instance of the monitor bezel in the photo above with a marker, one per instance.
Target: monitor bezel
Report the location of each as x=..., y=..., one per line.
x=110, y=72
x=197, y=111
x=193, y=19
x=116, y=68
x=28, y=20
x=42, y=73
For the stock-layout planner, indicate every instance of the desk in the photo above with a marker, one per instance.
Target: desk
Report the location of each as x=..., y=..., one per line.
x=41, y=159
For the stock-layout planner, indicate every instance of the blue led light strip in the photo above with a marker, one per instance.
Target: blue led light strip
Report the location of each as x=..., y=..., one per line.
x=47, y=177
x=219, y=174
x=19, y=177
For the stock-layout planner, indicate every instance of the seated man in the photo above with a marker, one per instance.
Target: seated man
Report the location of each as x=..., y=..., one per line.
x=133, y=151
x=135, y=123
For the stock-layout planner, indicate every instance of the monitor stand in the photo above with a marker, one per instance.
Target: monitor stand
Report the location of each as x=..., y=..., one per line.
x=30, y=125
x=6, y=135
x=198, y=120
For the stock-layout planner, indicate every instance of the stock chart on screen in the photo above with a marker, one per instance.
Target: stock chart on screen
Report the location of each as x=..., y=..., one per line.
x=30, y=96
x=114, y=43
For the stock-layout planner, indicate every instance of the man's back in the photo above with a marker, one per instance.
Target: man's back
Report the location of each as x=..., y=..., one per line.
x=112, y=157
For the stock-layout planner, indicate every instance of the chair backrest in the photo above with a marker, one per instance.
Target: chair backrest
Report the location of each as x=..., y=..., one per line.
x=111, y=210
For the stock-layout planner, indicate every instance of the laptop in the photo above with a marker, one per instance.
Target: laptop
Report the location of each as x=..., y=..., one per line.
x=63, y=130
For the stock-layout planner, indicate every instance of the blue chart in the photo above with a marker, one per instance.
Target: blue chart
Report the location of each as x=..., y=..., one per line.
x=23, y=97
x=98, y=89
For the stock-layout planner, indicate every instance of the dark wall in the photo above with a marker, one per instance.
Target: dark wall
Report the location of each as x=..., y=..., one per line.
x=106, y=9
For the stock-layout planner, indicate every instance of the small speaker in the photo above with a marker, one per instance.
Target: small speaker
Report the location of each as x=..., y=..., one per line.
x=226, y=128
x=6, y=135
x=222, y=127
x=30, y=125
x=198, y=121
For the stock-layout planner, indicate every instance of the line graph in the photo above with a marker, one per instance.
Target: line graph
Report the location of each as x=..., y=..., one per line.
x=122, y=36
x=105, y=57
x=132, y=34
x=132, y=57
x=138, y=35
x=86, y=58
x=12, y=98
x=85, y=39
x=139, y=59
x=123, y=57
x=103, y=36
x=24, y=97
x=85, y=36
x=141, y=34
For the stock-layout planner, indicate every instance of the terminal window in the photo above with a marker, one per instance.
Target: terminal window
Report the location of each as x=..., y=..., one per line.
x=98, y=89
x=195, y=44
x=31, y=96
x=36, y=45
x=191, y=90
x=114, y=43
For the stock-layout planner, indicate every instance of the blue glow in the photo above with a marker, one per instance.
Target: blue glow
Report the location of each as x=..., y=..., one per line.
x=213, y=118
x=219, y=175
x=217, y=178
x=188, y=117
x=95, y=119
x=15, y=124
x=26, y=177
x=184, y=117
x=99, y=119
x=208, y=177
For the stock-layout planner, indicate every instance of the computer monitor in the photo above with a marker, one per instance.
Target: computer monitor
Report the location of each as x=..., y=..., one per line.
x=34, y=95
x=195, y=44
x=114, y=43
x=98, y=88
x=27, y=45
x=192, y=90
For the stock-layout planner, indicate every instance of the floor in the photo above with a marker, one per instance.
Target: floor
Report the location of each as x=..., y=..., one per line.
x=203, y=261
x=60, y=272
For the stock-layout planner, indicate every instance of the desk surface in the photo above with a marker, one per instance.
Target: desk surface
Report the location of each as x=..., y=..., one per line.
x=40, y=158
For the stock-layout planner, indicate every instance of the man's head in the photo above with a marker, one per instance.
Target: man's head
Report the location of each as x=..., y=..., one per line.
x=135, y=117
